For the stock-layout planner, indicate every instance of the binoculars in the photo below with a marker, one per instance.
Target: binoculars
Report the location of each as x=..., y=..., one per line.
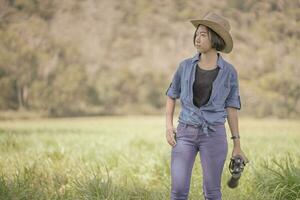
x=236, y=167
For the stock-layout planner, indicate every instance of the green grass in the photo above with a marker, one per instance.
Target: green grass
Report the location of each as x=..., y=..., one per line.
x=128, y=158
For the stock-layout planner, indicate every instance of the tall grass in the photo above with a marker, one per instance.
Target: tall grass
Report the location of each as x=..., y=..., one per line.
x=279, y=179
x=128, y=158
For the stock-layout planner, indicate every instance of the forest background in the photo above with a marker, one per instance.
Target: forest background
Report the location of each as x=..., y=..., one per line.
x=86, y=57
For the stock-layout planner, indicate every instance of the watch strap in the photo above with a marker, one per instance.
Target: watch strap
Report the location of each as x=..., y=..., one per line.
x=235, y=137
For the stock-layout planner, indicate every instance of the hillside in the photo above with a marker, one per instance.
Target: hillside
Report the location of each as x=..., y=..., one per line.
x=87, y=57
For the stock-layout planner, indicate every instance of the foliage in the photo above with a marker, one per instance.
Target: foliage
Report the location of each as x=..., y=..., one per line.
x=66, y=58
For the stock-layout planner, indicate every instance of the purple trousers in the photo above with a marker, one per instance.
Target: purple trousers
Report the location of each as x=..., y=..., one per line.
x=213, y=151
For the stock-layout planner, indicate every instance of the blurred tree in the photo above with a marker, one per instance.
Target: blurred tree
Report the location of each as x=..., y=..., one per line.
x=69, y=58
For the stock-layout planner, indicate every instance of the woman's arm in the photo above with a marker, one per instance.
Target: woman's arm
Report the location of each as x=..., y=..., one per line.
x=170, y=107
x=233, y=125
x=234, y=129
x=173, y=93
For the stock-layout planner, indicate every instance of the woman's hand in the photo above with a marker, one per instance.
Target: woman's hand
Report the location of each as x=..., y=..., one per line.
x=170, y=135
x=238, y=151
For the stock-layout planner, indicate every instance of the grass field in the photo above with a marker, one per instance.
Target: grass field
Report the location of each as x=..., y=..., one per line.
x=129, y=158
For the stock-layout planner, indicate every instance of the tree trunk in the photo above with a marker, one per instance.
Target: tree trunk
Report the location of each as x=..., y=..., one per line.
x=20, y=97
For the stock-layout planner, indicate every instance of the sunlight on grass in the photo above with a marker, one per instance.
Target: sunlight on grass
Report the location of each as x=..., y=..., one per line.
x=128, y=158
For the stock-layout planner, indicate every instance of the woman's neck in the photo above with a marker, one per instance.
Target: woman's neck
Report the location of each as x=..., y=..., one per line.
x=209, y=59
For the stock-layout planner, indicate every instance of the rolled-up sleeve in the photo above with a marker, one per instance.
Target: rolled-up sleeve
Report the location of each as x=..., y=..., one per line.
x=233, y=99
x=175, y=86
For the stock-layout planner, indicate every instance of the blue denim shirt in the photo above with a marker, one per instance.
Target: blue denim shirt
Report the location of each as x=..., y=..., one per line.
x=225, y=93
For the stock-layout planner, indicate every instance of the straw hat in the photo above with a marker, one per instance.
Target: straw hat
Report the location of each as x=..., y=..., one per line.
x=220, y=25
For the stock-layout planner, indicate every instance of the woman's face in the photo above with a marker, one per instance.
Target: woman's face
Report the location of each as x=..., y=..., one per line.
x=202, y=40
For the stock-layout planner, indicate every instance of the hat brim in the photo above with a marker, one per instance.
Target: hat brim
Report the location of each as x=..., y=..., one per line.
x=219, y=30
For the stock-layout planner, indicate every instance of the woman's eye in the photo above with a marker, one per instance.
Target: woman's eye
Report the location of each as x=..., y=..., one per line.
x=201, y=34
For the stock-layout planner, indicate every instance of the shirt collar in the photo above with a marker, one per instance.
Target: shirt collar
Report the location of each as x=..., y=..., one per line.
x=220, y=61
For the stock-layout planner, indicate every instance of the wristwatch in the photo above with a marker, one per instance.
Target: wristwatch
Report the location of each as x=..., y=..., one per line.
x=235, y=137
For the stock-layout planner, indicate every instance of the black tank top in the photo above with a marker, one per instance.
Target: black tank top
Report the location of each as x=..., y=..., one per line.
x=202, y=86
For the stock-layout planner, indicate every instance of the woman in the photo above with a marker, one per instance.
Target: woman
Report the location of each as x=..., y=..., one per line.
x=208, y=89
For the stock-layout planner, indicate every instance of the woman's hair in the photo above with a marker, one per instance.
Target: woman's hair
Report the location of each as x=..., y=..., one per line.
x=216, y=41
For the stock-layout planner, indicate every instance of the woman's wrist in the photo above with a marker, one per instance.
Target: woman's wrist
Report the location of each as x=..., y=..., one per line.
x=169, y=126
x=169, y=121
x=236, y=140
x=236, y=144
x=235, y=136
